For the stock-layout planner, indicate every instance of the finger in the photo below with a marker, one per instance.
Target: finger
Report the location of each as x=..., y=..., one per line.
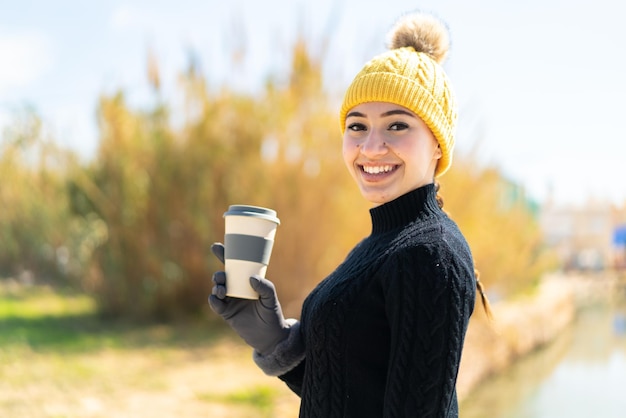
x=218, y=250
x=219, y=291
x=217, y=305
x=264, y=288
x=219, y=278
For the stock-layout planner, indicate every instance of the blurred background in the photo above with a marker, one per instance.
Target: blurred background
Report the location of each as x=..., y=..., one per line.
x=128, y=127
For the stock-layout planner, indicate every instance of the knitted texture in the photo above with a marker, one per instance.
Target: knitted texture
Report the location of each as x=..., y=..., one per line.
x=384, y=332
x=414, y=80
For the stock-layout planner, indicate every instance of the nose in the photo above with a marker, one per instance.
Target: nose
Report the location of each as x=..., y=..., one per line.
x=373, y=145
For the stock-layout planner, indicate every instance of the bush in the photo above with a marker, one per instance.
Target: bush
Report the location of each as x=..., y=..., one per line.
x=162, y=192
x=34, y=216
x=134, y=225
x=500, y=224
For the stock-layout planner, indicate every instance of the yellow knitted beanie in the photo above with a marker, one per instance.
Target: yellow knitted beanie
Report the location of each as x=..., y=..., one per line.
x=410, y=75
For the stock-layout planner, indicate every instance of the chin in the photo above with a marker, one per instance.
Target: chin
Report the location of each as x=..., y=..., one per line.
x=379, y=196
x=377, y=199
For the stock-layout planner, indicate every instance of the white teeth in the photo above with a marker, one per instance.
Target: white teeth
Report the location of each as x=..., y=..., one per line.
x=377, y=169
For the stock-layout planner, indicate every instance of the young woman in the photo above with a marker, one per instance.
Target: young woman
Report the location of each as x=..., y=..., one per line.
x=381, y=336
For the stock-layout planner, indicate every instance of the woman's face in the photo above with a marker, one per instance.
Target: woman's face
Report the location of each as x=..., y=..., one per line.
x=388, y=150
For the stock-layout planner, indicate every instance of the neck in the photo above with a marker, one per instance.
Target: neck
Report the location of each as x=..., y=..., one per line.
x=417, y=204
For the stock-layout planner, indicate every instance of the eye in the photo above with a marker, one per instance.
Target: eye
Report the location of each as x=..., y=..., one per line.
x=357, y=127
x=398, y=126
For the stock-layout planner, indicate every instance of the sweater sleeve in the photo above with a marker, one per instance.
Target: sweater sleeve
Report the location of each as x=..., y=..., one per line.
x=293, y=378
x=428, y=301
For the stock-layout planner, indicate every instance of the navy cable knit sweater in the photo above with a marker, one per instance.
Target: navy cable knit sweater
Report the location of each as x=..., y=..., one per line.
x=383, y=334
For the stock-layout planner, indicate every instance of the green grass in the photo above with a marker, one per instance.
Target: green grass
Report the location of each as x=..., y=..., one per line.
x=37, y=301
x=59, y=358
x=262, y=398
x=45, y=319
x=41, y=319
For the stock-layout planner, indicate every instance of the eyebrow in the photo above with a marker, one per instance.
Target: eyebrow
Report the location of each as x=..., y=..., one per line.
x=385, y=114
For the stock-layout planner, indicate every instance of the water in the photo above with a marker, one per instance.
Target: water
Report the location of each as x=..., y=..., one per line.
x=580, y=375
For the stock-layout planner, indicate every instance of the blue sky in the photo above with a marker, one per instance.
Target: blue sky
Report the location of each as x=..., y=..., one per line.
x=540, y=83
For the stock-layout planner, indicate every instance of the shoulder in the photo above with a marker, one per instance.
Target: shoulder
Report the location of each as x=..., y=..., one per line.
x=438, y=238
x=433, y=252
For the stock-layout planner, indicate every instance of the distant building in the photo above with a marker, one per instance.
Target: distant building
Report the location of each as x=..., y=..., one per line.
x=586, y=237
x=619, y=246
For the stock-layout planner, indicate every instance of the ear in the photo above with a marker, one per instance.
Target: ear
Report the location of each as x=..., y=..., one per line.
x=438, y=153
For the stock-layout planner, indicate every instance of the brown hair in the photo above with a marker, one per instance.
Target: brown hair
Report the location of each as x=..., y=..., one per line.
x=479, y=286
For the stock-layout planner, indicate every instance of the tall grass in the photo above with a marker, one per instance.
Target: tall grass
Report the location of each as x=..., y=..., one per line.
x=133, y=226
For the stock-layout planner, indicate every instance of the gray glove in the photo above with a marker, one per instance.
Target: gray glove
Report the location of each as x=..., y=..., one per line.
x=259, y=322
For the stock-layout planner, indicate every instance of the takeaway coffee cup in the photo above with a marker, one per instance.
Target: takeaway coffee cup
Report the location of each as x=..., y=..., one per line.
x=248, y=241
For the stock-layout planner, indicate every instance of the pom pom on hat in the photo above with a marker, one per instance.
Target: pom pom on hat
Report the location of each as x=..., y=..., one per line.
x=410, y=75
x=424, y=33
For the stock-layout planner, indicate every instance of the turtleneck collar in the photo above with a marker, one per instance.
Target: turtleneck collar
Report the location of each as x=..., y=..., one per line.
x=416, y=204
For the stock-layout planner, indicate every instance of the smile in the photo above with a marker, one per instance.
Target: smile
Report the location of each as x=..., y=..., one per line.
x=378, y=169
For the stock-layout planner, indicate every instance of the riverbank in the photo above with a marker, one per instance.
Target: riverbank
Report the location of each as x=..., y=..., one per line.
x=526, y=324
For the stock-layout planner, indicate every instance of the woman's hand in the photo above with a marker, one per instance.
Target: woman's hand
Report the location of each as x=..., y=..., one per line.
x=259, y=322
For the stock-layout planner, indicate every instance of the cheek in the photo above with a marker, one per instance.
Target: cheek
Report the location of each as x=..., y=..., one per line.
x=349, y=151
x=414, y=156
